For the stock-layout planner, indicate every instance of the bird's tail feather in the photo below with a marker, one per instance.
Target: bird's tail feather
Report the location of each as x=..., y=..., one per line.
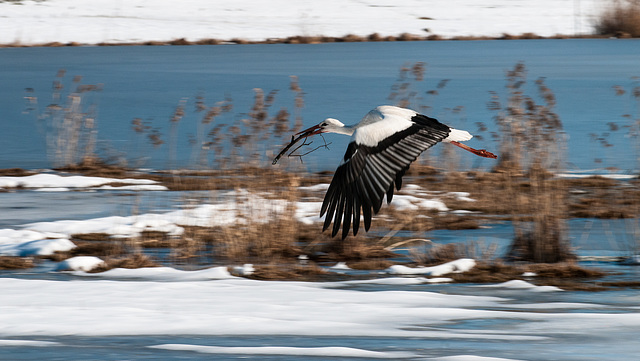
x=457, y=135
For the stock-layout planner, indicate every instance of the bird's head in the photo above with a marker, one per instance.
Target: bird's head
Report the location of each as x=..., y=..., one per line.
x=328, y=125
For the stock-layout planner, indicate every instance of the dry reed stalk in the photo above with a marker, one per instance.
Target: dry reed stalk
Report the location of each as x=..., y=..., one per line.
x=542, y=240
x=434, y=253
x=136, y=260
x=177, y=116
x=621, y=18
x=531, y=144
x=69, y=121
x=261, y=234
x=14, y=263
x=287, y=271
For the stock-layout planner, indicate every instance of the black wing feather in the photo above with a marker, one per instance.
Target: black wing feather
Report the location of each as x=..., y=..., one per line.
x=369, y=173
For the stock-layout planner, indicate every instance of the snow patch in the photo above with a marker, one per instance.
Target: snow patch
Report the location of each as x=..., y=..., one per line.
x=149, y=187
x=54, y=181
x=412, y=203
x=288, y=351
x=79, y=263
x=321, y=187
x=400, y=281
x=10, y=246
x=35, y=22
x=28, y=343
x=457, y=266
x=244, y=270
x=162, y=274
x=524, y=285
x=340, y=266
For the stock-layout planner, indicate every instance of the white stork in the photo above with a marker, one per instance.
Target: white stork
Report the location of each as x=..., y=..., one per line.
x=383, y=146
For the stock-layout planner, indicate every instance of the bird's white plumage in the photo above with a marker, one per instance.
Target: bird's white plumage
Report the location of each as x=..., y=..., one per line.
x=457, y=135
x=383, y=145
x=381, y=123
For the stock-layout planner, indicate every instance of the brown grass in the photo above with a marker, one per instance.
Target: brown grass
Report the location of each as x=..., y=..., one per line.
x=434, y=254
x=97, y=249
x=131, y=261
x=370, y=264
x=621, y=18
x=15, y=172
x=520, y=188
x=566, y=275
x=288, y=271
x=13, y=263
x=301, y=39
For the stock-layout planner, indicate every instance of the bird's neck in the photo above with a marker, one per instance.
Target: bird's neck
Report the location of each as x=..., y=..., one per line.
x=346, y=130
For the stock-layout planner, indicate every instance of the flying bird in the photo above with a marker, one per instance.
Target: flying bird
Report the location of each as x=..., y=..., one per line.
x=383, y=145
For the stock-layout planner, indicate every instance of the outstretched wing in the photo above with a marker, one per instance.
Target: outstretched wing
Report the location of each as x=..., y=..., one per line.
x=369, y=171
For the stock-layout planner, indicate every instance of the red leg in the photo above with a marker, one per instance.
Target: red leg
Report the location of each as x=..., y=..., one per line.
x=479, y=152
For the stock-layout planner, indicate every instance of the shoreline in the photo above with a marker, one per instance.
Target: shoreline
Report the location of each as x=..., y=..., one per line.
x=301, y=39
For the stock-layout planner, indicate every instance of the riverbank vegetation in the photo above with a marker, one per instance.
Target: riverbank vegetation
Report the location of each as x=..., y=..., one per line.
x=621, y=18
x=523, y=187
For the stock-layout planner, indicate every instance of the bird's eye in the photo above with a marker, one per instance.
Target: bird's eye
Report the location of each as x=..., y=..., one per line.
x=323, y=124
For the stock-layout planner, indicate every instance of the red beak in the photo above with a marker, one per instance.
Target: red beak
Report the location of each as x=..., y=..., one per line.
x=316, y=129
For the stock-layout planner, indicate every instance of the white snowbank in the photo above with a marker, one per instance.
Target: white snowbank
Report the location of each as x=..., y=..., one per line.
x=131, y=226
x=412, y=203
x=340, y=266
x=320, y=187
x=53, y=189
x=235, y=306
x=37, y=22
x=524, y=285
x=244, y=270
x=16, y=246
x=290, y=351
x=79, y=263
x=400, y=281
x=28, y=343
x=54, y=182
x=149, y=187
x=162, y=274
x=13, y=237
x=457, y=266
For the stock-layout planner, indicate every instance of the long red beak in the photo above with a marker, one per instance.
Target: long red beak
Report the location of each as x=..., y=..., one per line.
x=316, y=129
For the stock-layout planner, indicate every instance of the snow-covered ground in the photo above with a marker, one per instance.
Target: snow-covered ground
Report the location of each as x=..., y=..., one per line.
x=41, y=312
x=213, y=303
x=45, y=238
x=220, y=304
x=91, y=22
x=54, y=183
x=515, y=320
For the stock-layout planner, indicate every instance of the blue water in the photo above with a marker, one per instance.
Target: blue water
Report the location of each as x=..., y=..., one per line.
x=342, y=80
